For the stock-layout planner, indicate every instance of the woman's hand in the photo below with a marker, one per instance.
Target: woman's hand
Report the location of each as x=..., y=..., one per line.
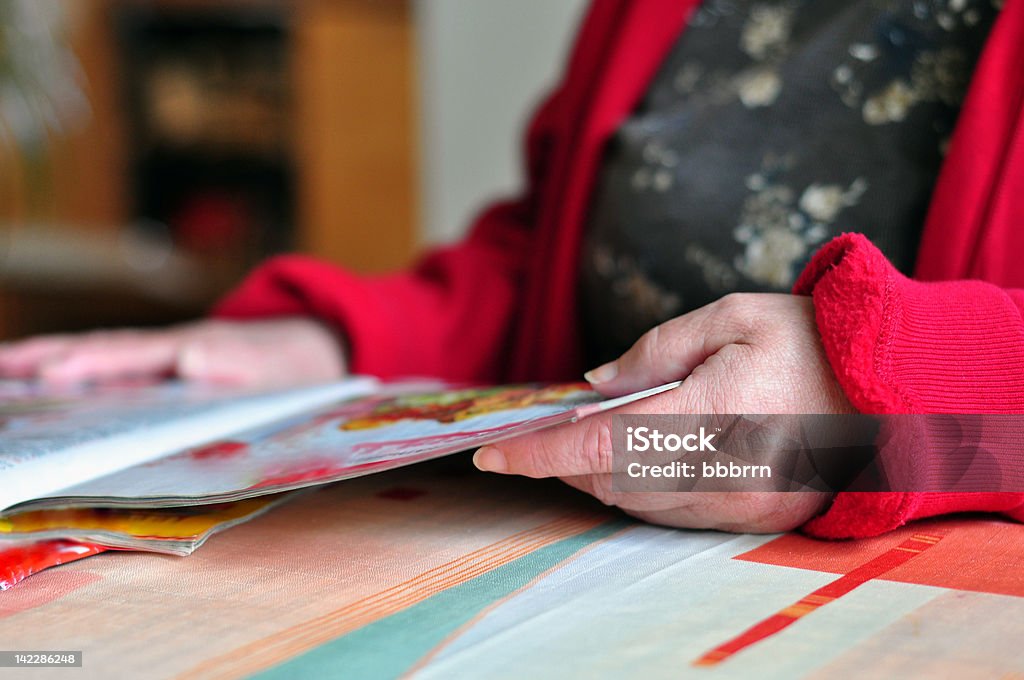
x=744, y=354
x=273, y=353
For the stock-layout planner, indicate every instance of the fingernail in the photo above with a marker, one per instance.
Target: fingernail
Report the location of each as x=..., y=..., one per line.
x=602, y=374
x=490, y=459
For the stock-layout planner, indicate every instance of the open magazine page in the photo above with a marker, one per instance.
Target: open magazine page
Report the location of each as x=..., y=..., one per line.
x=51, y=439
x=391, y=428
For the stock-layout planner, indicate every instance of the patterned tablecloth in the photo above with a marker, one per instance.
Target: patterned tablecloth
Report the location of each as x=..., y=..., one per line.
x=437, y=571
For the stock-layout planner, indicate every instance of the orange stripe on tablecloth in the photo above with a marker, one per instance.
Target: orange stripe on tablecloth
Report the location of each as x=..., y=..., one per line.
x=871, y=569
x=475, y=563
x=396, y=599
x=376, y=610
x=261, y=654
x=313, y=633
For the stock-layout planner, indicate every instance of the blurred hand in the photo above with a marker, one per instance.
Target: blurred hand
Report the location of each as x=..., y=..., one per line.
x=273, y=353
x=746, y=353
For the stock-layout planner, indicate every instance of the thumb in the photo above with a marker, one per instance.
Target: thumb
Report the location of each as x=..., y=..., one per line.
x=669, y=351
x=572, y=449
x=582, y=448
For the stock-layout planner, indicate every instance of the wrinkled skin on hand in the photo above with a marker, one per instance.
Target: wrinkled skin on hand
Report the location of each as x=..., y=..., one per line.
x=745, y=353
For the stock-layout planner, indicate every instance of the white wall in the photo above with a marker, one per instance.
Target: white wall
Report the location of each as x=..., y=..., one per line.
x=483, y=66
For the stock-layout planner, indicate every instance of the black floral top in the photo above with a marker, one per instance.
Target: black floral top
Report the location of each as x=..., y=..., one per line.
x=771, y=127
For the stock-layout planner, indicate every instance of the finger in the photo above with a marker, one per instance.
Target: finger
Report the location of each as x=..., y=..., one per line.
x=22, y=359
x=223, y=360
x=686, y=517
x=725, y=511
x=281, y=353
x=738, y=512
x=581, y=448
x=671, y=350
x=602, y=487
x=111, y=355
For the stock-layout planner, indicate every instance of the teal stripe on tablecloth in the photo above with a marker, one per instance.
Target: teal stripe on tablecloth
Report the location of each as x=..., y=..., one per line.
x=392, y=645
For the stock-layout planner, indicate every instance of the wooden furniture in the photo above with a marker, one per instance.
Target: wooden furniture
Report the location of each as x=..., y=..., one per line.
x=350, y=148
x=354, y=108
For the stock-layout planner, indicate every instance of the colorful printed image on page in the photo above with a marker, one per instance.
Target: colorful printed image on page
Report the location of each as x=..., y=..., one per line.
x=397, y=426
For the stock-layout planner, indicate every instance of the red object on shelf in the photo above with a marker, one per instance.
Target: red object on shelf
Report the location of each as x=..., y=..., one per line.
x=211, y=222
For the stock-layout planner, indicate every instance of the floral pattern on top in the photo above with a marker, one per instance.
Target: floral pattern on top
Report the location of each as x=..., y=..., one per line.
x=772, y=126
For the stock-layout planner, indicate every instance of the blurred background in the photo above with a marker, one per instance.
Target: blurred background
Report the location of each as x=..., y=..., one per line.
x=153, y=151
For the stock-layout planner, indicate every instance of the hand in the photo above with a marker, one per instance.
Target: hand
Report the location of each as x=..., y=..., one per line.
x=273, y=353
x=745, y=353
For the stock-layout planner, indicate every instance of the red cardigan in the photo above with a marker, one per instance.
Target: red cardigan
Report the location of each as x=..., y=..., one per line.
x=500, y=305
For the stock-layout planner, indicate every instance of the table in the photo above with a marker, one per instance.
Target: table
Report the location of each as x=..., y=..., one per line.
x=438, y=571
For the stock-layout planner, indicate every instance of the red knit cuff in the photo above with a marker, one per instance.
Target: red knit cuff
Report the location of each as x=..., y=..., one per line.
x=901, y=346
x=852, y=285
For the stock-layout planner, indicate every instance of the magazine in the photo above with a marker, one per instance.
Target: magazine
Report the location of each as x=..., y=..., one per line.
x=176, y=444
x=173, y=531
